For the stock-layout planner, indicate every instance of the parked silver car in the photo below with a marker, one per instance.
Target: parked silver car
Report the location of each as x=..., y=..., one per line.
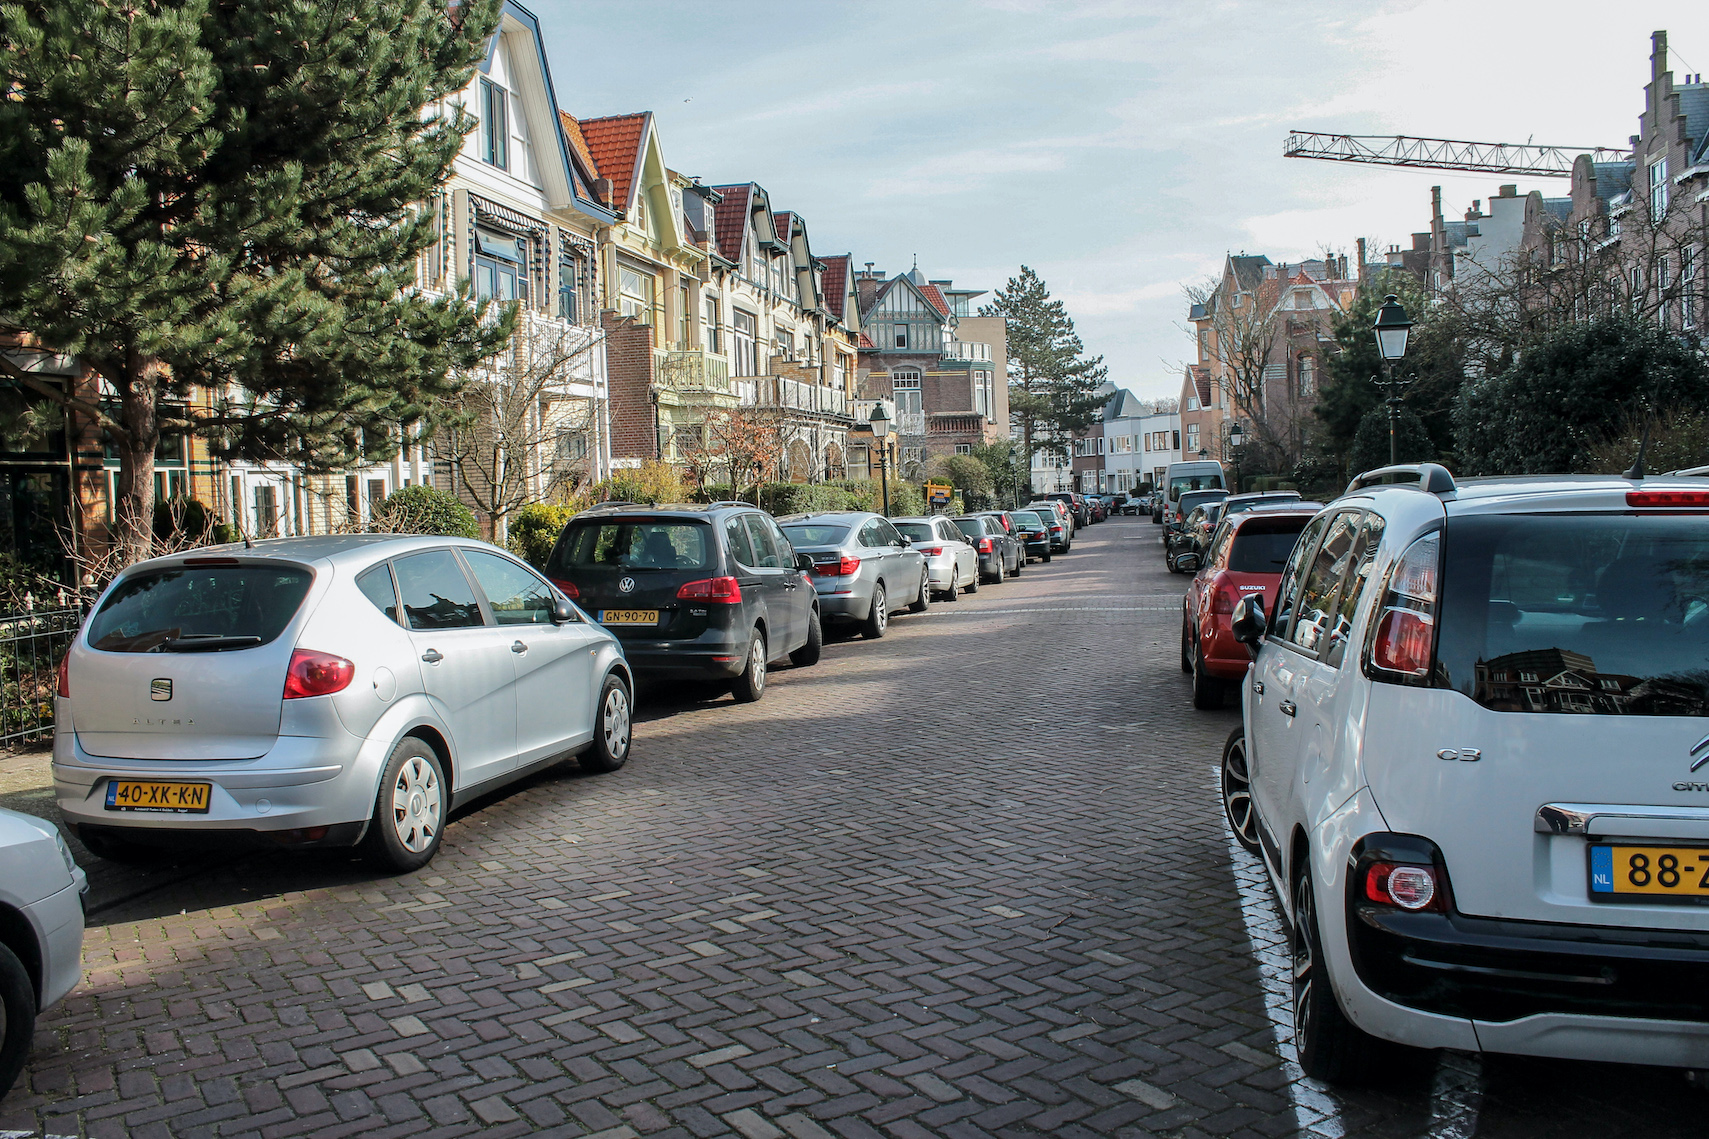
x=863, y=568
x=41, y=931
x=951, y=562
x=327, y=691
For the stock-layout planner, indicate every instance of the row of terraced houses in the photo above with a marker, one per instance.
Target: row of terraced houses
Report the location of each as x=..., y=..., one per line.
x=653, y=305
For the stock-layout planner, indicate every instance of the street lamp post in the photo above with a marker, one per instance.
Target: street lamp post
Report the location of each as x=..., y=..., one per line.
x=1391, y=330
x=880, y=421
x=1236, y=436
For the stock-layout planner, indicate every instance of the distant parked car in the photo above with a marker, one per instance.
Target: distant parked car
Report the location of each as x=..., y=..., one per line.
x=41, y=931
x=863, y=568
x=1034, y=533
x=1187, y=545
x=1000, y=553
x=1173, y=528
x=1076, y=504
x=1246, y=557
x=1060, y=521
x=325, y=691
x=952, y=563
x=1257, y=499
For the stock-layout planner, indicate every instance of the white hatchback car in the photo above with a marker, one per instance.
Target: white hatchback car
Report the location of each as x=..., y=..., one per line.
x=952, y=564
x=1472, y=760
x=41, y=931
x=325, y=691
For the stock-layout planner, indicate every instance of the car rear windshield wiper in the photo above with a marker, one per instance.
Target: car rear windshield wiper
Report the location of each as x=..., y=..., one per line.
x=206, y=643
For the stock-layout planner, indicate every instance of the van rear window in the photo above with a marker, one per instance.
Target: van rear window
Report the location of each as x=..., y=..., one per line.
x=1264, y=547
x=199, y=608
x=632, y=544
x=1591, y=614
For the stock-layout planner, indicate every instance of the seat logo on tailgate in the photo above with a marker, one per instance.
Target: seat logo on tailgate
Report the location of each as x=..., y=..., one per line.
x=160, y=689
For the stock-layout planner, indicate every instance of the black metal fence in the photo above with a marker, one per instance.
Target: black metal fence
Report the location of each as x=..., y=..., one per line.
x=31, y=644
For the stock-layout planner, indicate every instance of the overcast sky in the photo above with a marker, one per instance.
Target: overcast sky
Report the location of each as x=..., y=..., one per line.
x=1120, y=149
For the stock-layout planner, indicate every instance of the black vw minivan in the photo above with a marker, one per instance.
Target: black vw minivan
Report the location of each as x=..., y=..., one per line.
x=712, y=592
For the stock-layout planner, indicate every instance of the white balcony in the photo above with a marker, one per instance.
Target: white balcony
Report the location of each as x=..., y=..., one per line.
x=690, y=370
x=781, y=392
x=969, y=351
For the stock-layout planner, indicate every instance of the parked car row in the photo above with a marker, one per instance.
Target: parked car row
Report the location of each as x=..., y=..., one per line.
x=1471, y=716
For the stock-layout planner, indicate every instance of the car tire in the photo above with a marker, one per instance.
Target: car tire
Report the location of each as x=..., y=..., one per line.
x=1327, y=1044
x=953, y=593
x=973, y=586
x=923, y=602
x=1237, y=791
x=750, y=686
x=410, y=808
x=613, y=727
x=1019, y=566
x=1045, y=558
x=878, y=618
x=18, y=1029
x=1186, y=646
x=808, y=654
x=1208, y=690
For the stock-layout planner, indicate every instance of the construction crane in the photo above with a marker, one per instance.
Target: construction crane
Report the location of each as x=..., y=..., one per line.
x=1445, y=153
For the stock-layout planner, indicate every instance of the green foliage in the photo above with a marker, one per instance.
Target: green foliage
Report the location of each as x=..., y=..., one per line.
x=182, y=520
x=534, y=530
x=229, y=195
x=1567, y=395
x=651, y=483
x=1052, y=387
x=1370, y=448
x=1271, y=482
x=425, y=510
x=808, y=498
x=963, y=472
x=1677, y=439
x=1007, y=463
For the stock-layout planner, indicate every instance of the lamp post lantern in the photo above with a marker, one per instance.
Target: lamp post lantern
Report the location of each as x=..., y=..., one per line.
x=1391, y=329
x=880, y=421
x=1236, y=436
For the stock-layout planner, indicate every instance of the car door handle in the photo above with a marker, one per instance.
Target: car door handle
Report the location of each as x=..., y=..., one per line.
x=518, y=647
x=1257, y=688
x=1286, y=708
x=432, y=656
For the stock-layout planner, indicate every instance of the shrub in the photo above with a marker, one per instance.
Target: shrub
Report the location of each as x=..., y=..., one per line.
x=1370, y=448
x=650, y=483
x=425, y=510
x=534, y=531
x=181, y=520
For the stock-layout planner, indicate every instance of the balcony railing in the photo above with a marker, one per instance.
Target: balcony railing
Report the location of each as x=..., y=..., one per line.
x=967, y=350
x=779, y=391
x=910, y=423
x=690, y=369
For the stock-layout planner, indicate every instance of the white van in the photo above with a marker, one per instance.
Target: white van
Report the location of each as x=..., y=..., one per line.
x=1200, y=474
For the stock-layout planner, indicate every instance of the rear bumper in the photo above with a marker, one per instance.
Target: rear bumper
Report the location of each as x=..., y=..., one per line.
x=992, y=564
x=848, y=600
x=688, y=661
x=1225, y=657
x=1036, y=549
x=941, y=570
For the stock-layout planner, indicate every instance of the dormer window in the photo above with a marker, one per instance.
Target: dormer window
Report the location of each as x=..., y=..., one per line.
x=495, y=125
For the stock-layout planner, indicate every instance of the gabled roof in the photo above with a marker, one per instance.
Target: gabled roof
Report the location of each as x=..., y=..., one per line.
x=932, y=294
x=1201, y=377
x=1248, y=270
x=618, y=145
x=1123, y=405
x=579, y=153
x=782, y=223
x=836, y=282
x=732, y=219
x=928, y=292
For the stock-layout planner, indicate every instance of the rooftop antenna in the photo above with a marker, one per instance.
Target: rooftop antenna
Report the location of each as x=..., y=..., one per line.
x=1636, y=470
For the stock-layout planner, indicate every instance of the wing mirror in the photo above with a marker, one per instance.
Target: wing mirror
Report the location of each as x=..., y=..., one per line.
x=804, y=563
x=563, y=612
x=1247, y=625
x=904, y=544
x=1187, y=563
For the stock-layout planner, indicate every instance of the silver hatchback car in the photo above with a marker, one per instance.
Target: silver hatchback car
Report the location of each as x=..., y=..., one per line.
x=331, y=691
x=863, y=568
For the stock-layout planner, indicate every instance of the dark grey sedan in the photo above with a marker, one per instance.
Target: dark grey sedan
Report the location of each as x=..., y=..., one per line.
x=1000, y=553
x=863, y=568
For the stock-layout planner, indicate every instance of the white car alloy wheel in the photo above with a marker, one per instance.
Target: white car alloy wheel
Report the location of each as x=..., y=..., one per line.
x=614, y=721
x=415, y=805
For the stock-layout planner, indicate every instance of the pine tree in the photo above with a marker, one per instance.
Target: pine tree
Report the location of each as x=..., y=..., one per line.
x=225, y=195
x=1052, y=385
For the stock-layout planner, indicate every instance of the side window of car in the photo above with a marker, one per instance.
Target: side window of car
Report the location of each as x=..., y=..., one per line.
x=1314, y=611
x=435, y=593
x=737, y=535
x=1289, y=588
x=785, y=551
x=948, y=532
x=765, y=550
x=1219, y=545
x=888, y=535
x=376, y=586
x=514, y=594
x=1355, y=585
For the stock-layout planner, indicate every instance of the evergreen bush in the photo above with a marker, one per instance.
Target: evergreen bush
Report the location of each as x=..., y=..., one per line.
x=425, y=510
x=534, y=530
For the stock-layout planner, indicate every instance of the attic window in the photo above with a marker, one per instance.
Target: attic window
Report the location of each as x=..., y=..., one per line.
x=495, y=125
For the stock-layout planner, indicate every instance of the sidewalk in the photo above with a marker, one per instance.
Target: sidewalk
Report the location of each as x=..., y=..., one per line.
x=26, y=784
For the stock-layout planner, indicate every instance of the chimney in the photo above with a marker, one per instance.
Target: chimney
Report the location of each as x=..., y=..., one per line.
x=1658, y=55
x=602, y=190
x=1361, y=266
x=1508, y=191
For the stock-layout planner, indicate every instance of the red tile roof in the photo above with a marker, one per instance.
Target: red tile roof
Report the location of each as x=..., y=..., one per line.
x=615, y=143
x=732, y=219
x=836, y=279
x=578, y=144
x=866, y=341
x=1202, y=381
x=930, y=292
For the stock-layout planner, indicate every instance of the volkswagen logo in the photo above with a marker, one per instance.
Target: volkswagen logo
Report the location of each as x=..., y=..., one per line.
x=626, y=585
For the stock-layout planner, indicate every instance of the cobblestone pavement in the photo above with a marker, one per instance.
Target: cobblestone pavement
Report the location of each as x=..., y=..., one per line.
x=968, y=880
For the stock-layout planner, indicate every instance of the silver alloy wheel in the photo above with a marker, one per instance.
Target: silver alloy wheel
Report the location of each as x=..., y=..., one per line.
x=415, y=805
x=1303, y=960
x=614, y=722
x=756, y=662
x=1237, y=794
x=881, y=609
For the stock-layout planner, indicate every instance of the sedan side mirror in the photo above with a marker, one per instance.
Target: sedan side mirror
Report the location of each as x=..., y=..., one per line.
x=804, y=562
x=562, y=612
x=904, y=544
x=1187, y=563
x=1247, y=624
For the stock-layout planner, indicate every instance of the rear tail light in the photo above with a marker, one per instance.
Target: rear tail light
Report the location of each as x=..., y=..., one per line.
x=1675, y=498
x=842, y=567
x=986, y=546
x=1405, y=639
x=65, y=674
x=723, y=590
x=930, y=551
x=1056, y=529
x=1223, y=601
x=1404, y=886
x=317, y=674
x=568, y=588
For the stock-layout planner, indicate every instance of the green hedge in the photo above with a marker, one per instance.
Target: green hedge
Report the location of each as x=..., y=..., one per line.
x=534, y=531
x=425, y=510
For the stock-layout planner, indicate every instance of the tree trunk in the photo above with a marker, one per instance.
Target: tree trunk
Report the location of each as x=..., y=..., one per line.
x=134, y=510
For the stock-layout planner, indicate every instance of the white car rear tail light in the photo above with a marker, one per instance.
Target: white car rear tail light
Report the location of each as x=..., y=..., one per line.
x=1405, y=639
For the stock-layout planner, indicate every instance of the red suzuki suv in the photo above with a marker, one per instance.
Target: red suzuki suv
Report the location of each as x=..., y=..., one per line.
x=1244, y=559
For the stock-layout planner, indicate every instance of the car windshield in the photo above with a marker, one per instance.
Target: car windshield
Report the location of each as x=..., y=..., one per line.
x=1600, y=614
x=199, y=608
x=1263, y=547
x=813, y=534
x=634, y=544
x=916, y=531
x=972, y=527
x=1028, y=519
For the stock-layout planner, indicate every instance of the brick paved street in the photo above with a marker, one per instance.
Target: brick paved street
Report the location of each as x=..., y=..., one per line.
x=968, y=880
